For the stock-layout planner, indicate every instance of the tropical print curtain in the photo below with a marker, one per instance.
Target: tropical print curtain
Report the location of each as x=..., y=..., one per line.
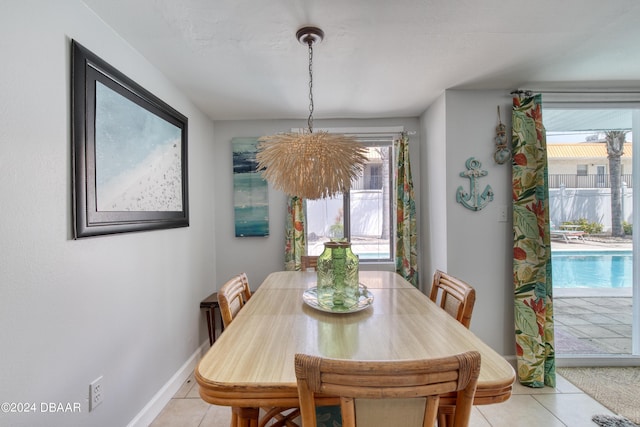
x=294, y=233
x=406, y=231
x=531, y=246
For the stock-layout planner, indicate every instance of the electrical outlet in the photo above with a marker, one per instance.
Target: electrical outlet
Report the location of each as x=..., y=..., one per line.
x=96, y=393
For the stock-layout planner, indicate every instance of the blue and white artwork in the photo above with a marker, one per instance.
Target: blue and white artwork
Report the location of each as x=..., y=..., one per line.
x=250, y=190
x=138, y=157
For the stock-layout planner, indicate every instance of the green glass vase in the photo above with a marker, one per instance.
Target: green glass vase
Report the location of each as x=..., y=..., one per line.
x=337, y=272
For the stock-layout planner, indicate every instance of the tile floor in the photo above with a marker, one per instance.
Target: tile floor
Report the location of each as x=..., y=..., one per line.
x=565, y=405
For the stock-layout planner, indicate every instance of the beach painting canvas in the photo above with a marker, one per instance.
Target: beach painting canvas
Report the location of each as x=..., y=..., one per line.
x=250, y=190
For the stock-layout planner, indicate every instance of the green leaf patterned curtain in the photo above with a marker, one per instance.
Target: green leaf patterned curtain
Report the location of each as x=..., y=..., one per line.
x=294, y=233
x=531, y=246
x=406, y=231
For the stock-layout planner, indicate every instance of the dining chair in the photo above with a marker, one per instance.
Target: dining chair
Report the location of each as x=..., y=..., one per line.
x=308, y=263
x=455, y=296
x=232, y=296
x=400, y=392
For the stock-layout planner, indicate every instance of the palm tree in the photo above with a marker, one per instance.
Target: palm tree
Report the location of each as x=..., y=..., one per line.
x=615, y=140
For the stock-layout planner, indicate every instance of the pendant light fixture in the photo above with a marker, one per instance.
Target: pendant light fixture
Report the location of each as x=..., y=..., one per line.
x=307, y=164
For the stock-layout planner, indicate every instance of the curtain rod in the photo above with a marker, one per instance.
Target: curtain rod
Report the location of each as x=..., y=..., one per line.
x=529, y=92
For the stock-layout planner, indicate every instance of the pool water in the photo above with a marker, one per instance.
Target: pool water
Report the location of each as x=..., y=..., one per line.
x=600, y=269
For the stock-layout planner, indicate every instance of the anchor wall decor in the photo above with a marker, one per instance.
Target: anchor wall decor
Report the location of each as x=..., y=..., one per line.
x=473, y=199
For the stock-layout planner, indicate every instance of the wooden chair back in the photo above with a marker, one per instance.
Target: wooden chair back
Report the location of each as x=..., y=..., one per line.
x=232, y=296
x=455, y=296
x=308, y=263
x=404, y=393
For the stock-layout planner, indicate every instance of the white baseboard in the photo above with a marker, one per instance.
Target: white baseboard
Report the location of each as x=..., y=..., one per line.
x=164, y=395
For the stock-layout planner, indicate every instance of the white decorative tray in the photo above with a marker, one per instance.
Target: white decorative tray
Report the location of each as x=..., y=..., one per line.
x=365, y=299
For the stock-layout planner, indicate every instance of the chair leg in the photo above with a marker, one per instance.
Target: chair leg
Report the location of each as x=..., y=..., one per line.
x=446, y=416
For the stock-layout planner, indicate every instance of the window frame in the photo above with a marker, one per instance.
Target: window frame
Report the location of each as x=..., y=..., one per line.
x=372, y=139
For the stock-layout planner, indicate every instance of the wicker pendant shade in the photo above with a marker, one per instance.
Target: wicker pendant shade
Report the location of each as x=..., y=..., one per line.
x=306, y=164
x=310, y=165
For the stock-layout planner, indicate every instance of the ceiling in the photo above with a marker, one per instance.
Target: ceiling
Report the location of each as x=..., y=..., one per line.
x=240, y=59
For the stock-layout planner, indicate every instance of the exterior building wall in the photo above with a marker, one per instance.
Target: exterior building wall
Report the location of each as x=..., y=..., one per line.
x=570, y=166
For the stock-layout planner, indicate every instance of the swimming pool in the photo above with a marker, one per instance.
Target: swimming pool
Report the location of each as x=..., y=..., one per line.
x=593, y=269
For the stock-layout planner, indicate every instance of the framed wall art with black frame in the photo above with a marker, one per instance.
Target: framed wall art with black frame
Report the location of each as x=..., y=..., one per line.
x=129, y=153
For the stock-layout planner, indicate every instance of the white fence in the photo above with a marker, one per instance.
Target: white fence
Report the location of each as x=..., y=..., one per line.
x=366, y=218
x=593, y=204
x=565, y=204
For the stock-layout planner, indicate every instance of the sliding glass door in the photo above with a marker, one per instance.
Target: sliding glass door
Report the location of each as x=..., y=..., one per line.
x=593, y=175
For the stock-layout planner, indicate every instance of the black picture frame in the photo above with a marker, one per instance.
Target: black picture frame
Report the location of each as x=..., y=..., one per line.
x=129, y=153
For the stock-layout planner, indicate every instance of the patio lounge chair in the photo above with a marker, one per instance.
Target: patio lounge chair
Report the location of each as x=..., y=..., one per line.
x=566, y=235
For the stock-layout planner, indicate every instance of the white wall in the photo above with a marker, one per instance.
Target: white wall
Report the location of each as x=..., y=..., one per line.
x=259, y=256
x=123, y=306
x=478, y=246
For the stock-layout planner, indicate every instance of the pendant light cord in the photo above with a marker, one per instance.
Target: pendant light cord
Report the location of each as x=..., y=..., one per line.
x=306, y=165
x=310, y=119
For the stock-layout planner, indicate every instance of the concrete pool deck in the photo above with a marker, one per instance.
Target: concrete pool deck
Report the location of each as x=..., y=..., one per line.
x=593, y=325
x=592, y=321
x=592, y=244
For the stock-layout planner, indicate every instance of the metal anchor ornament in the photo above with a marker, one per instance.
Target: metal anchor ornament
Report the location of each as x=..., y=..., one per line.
x=473, y=199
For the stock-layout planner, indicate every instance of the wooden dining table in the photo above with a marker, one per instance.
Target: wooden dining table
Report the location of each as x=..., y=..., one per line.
x=251, y=365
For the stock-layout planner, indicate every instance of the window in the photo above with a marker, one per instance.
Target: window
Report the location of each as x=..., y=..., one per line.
x=368, y=222
x=601, y=178
x=583, y=170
